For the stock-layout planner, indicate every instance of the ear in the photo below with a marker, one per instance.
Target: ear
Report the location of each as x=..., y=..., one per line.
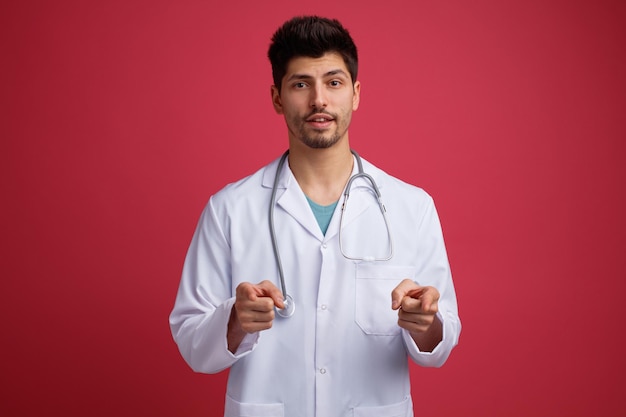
x=356, y=98
x=276, y=101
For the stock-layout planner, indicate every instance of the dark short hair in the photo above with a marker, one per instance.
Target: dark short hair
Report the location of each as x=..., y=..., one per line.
x=310, y=36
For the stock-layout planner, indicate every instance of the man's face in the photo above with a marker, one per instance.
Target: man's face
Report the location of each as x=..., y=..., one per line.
x=317, y=99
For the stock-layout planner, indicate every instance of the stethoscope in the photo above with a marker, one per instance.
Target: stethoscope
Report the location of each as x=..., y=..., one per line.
x=290, y=306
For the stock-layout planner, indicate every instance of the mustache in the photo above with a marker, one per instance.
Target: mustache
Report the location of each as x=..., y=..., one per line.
x=320, y=111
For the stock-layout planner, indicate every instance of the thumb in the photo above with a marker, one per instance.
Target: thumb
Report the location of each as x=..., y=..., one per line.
x=398, y=293
x=279, y=300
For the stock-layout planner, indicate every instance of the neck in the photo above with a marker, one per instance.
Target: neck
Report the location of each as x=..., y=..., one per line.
x=322, y=173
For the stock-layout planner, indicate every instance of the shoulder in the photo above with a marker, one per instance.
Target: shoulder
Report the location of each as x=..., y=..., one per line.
x=250, y=190
x=395, y=187
x=410, y=205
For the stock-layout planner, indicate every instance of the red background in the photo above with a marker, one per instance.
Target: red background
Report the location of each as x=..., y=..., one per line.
x=120, y=118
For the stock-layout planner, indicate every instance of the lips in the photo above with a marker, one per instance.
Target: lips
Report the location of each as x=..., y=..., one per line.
x=320, y=120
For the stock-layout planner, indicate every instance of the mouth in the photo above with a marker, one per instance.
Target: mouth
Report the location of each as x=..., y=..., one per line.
x=320, y=120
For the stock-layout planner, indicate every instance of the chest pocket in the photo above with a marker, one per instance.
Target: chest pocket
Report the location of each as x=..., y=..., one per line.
x=374, y=283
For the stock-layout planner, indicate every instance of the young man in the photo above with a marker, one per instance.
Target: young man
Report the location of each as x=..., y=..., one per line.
x=369, y=291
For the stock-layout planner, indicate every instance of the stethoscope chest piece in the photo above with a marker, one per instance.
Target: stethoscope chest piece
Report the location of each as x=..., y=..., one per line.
x=290, y=307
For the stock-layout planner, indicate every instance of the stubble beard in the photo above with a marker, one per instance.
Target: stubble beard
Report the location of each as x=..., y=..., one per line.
x=321, y=139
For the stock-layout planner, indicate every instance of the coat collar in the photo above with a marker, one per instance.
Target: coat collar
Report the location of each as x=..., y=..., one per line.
x=291, y=198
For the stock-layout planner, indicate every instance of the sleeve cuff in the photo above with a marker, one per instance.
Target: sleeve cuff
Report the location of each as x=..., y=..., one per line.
x=439, y=354
x=249, y=341
x=247, y=345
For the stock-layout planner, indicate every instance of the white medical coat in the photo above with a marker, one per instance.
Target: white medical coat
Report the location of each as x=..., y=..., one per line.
x=342, y=352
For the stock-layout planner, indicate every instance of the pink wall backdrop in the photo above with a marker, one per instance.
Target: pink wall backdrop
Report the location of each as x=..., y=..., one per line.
x=120, y=118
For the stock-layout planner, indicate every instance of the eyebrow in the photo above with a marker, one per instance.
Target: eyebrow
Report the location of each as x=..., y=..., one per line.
x=308, y=77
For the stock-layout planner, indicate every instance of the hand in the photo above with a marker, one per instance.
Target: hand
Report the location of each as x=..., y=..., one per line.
x=417, y=312
x=253, y=311
x=254, y=305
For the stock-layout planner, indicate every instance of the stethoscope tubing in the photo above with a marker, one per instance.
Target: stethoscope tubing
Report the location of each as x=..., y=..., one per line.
x=279, y=263
x=288, y=300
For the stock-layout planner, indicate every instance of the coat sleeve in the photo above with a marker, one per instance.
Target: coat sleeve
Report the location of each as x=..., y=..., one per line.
x=435, y=271
x=205, y=299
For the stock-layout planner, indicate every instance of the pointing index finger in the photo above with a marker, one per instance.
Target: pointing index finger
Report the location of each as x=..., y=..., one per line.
x=429, y=297
x=272, y=291
x=416, y=292
x=406, y=287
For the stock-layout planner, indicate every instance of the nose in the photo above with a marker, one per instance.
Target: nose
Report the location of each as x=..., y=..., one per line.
x=318, y=97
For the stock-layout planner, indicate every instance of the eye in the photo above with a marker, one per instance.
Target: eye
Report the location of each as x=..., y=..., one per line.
x=335, y=83
x=299, y=85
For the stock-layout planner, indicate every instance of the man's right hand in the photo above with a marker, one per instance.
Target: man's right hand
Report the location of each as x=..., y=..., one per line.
x=253, y=310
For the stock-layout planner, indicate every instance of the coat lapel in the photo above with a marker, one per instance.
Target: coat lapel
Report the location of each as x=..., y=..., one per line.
x=361, y=198
x=291, y=198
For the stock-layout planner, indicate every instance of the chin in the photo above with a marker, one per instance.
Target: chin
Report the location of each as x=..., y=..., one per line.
x=319, y=142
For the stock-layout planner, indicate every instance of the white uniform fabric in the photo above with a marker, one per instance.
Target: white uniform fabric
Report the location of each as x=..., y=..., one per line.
x=342, y=352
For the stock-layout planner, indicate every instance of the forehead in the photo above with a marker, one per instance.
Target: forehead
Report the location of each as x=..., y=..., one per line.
x=316, y=67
